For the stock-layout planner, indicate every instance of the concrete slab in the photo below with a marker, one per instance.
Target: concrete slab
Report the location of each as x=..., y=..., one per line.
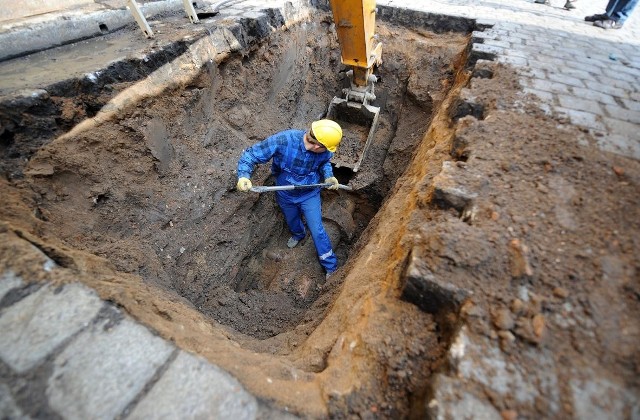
x=34, y=327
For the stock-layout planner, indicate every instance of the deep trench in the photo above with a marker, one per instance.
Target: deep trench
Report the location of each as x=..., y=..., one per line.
x=272, y=289
x=160, y=180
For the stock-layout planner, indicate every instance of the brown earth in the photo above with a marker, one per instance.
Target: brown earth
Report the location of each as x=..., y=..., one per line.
x=517, y=211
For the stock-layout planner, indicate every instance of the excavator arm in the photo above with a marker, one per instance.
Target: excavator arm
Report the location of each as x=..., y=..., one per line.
x=355, y=22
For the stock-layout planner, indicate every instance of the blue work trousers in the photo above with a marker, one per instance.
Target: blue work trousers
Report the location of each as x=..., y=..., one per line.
x=293, y=208
x=620, y=10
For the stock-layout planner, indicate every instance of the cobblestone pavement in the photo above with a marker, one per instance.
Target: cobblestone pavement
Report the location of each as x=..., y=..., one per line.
x=52, y=338
x=90, y=361
x=584, y=72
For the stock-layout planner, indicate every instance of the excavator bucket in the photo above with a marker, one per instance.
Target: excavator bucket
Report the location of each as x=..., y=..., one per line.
x=359, y=123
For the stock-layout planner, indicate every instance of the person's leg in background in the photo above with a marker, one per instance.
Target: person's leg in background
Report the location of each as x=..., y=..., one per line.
x=617, y=12
x=602, y=16
x=622, y=10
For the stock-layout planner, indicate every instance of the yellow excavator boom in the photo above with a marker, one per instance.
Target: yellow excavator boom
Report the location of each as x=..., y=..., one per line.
x=355, y=22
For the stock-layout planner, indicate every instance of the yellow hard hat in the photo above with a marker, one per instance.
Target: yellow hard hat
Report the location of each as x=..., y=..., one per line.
x=328, y=133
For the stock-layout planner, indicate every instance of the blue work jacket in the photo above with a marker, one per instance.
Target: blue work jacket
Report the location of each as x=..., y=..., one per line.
x=291, y=163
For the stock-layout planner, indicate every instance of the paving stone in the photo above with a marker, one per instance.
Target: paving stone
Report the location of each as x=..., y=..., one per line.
x=514, y=61
x=480, y=360
x=587, y=67
x=602, y=399
x=231, y=12
x=565, y=79
x=535, y=35
x=597, y=61
x=8, y=407
x=546, y=96
x=630, y=78
x=560, y=52
x=572, y=102
x=451, y=403
x=517, y=52
x=592, y=95
x=531, y=50
x=481, y=36
x=224, y=40
x=254, y=15
x=632, y=105
x=547, y=86
x=625, y=128
x=620, y=113
x=104, y=369
x=452, y=189
x=607, y=89
x=582, y=118
x=8, y=282
x=547, y=59
x=578, y=74
x=485, y=51
x=609, y=80
x=193, y=388
x=485, y=23
x=502, y=32
x=499, y=44
x=534, y=73
x=616, y=143
x=32, y=328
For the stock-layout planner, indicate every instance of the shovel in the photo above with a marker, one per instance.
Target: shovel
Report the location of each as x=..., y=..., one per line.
x=261, y=189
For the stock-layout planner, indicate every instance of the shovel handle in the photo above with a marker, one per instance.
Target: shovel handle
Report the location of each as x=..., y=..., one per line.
x=261, y=189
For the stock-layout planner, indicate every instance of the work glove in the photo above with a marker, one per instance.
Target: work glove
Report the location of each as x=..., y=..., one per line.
x=334, y=181
x=244, y=184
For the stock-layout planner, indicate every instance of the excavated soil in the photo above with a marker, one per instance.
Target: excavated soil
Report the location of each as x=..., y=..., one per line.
x=542, y=250
x=154, y=192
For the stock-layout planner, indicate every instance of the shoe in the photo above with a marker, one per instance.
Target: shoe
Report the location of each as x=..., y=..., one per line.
x=542, y=2
x=597, y=17
x=292, y=242
x=569, y=5
x=607, y=24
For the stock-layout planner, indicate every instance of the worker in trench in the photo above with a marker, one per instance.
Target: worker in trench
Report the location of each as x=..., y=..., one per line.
x=299, y=157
